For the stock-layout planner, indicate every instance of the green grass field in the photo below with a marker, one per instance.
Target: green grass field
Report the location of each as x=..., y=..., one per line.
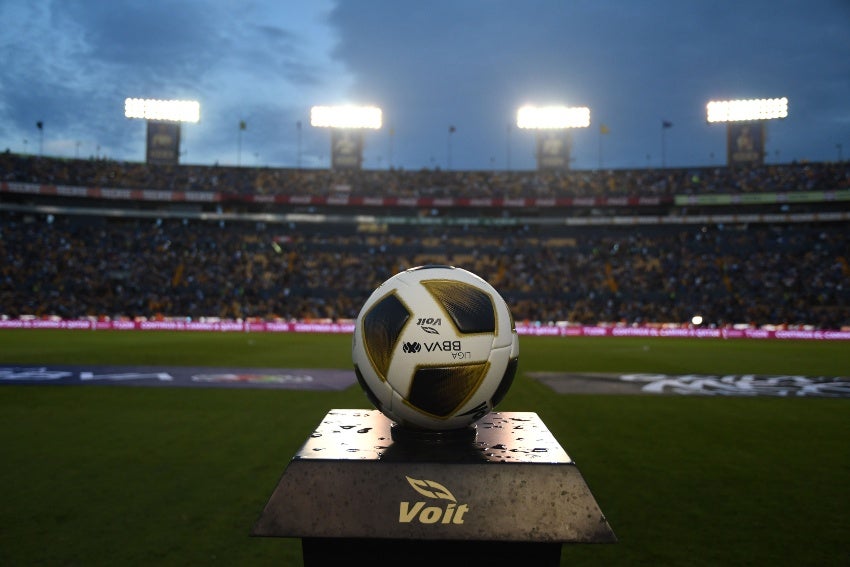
x=112, y=475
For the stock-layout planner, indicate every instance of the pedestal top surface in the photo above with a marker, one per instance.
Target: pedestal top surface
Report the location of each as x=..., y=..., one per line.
x=367, y=434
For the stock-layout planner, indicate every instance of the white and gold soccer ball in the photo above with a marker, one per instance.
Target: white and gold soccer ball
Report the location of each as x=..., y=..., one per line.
x=435, y=348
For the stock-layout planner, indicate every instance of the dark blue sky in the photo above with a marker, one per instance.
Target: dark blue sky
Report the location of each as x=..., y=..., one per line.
x=429, y=65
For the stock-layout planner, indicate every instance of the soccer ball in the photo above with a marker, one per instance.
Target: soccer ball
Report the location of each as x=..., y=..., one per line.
x=435, y=348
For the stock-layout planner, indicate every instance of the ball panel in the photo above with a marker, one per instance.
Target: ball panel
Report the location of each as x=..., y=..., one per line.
x=382, y=327
x=470, y=307
x=505, y=382
x=370, y=393
x=505, y=320
x=442, y=391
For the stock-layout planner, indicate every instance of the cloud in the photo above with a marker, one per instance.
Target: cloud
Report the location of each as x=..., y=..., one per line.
x=428, y=65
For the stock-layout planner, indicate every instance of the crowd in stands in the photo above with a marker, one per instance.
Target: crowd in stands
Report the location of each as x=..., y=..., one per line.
x=229, y=180
x=76, y=266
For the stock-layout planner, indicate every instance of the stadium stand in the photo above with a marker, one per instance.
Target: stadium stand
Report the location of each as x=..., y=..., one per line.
x=97, y=238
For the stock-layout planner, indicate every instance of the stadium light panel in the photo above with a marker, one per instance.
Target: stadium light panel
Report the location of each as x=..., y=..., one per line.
x=173, y=110
x=746, y=110
x=347, y=116
x=552, y=117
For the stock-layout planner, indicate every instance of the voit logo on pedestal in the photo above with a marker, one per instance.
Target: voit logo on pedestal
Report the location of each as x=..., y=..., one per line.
x=432, y=511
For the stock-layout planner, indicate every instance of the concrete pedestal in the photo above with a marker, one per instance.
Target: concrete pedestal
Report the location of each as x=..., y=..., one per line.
x=503, y=492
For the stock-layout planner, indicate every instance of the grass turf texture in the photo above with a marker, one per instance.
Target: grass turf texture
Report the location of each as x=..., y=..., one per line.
x=105, y=475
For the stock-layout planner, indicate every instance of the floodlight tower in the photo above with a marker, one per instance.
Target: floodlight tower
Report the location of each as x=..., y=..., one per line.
x=163, y=119
x=746, y=126
x=552, y=125
x=347, y=124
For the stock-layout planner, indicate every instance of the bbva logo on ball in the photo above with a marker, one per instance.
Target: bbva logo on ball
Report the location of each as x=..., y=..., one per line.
x=435, y=347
